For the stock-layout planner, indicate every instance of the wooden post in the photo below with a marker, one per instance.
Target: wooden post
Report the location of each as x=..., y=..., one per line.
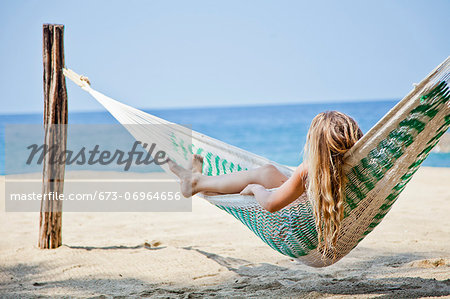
x=55, y=119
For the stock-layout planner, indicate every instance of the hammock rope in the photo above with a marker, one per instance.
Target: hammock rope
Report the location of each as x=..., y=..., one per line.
x=378, y=166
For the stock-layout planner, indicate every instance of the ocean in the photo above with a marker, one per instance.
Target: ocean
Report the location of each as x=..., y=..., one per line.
x=277, y=132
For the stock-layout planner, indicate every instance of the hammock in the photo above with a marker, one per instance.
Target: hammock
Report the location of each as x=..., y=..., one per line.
x=378, y=167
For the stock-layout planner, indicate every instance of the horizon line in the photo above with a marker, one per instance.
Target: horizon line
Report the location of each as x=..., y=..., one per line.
x=221, y=106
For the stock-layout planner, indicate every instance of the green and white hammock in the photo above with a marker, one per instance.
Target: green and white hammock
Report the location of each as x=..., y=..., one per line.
x=379, y=167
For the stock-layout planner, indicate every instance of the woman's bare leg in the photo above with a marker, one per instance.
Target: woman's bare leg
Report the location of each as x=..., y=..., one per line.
x=192, y=181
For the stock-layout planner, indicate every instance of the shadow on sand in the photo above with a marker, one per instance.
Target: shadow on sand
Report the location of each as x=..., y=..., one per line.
x=249, y=281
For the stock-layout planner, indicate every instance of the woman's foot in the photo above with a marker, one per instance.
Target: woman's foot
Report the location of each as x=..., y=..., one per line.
x=197, y=163
x=188, y=177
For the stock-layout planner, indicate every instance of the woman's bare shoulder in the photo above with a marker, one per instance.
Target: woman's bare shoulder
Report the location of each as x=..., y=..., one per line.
x=302, y=169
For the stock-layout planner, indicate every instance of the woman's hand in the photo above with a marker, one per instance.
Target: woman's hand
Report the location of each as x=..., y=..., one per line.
x=273, y=201
x=249, y=190
x=262, y=195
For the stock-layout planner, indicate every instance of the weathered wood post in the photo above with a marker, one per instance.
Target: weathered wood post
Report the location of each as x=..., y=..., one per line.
x=55, y=118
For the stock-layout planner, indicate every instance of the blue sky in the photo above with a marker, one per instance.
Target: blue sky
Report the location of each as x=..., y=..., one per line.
x=158, y=54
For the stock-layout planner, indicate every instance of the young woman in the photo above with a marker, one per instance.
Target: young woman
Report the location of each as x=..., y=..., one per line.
x=329, y=137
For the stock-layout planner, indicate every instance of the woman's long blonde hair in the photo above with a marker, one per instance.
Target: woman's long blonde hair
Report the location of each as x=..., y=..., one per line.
x=330, y=136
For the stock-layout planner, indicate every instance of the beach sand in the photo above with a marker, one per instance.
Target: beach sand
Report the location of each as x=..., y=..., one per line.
x=207, y=252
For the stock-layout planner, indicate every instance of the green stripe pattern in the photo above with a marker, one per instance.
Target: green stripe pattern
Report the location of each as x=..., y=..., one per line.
x=292, y=230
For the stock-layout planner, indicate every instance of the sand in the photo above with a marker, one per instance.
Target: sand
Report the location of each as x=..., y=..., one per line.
x=207, y=253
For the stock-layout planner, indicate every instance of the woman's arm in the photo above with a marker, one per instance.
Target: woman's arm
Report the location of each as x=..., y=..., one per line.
x=284, y=195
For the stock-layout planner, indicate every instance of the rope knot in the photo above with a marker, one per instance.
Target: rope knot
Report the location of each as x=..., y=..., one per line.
x=85, y=79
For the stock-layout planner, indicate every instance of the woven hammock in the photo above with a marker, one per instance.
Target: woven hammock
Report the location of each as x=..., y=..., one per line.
x=378, y=167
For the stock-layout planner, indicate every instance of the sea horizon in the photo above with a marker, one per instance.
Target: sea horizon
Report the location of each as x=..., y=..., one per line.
x=275, y=131
x=324, y=102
